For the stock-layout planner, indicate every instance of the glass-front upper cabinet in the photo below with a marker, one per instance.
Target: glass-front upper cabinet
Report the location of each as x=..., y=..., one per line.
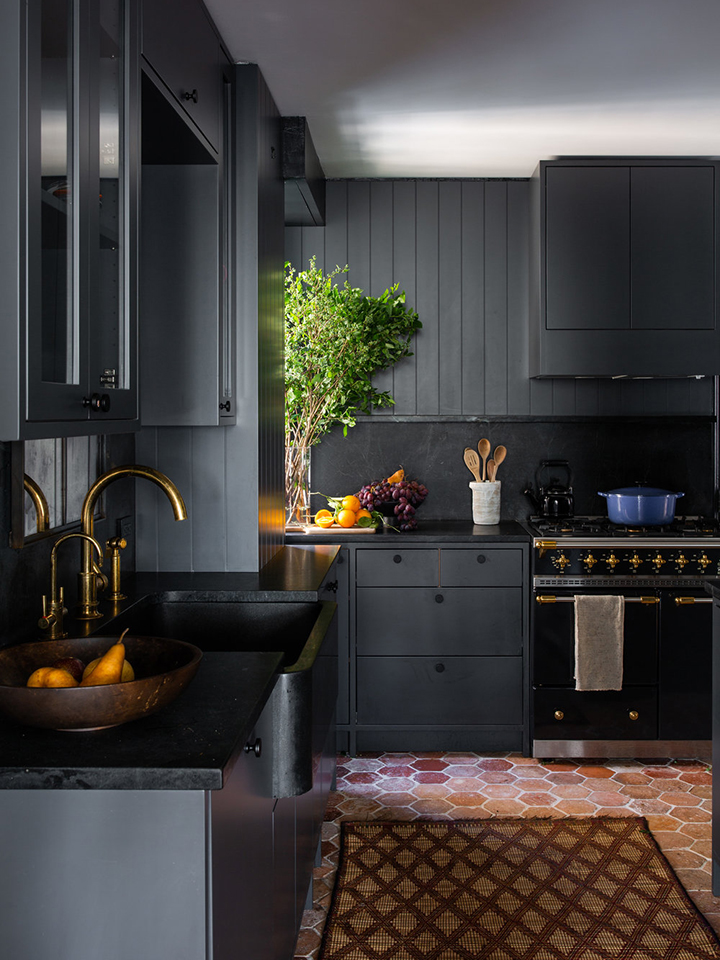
x=77, y=172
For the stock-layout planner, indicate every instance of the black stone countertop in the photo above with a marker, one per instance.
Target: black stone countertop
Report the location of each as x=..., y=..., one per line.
x=429, y=531
x=192, y=743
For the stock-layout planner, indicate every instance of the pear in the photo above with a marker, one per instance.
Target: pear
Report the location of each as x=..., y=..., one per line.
x=108, y=669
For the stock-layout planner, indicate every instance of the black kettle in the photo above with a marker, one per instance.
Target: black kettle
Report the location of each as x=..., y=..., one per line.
x=554, y=496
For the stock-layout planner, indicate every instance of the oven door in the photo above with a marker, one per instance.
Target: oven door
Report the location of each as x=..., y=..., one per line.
x=562, y=713
x=685, y=665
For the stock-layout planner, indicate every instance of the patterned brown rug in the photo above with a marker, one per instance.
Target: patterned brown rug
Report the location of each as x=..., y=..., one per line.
x=510, y=890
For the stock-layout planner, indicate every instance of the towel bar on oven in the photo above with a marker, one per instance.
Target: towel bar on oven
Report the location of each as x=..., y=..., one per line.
x=544, y=598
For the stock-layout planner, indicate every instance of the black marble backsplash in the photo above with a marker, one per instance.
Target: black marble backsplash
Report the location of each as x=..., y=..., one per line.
x=675, y=454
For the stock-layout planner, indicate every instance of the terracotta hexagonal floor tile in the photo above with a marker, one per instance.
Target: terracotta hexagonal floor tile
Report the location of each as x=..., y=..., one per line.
x=395, y=784
x=703, y=848
x=631, y=777
x=467, y=799
x=662, y=773
x=430, y=791
x=396, y=800
x=431, y=776
x=470, y=813
x=650, y=807
x=461, y=770
x=696, y=831
x=559, y=766
x=691, y=814
x=494, y=764
x=430, y=763
x=538, y=799
x=673, y=840
x=595, y=772
x=576, y=808
x=679, y=799
x=639, y=791
x=497, y=790
x=609, y=798
x=400, y=770
x=360, y=809
x=360, y=778
x=702, y=790
x=696, y=777
x=432, y=807
x=661, y=822
x=570, y=792
x=505, y=808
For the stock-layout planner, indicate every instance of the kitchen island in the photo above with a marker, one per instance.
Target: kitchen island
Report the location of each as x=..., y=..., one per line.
x=164, y=837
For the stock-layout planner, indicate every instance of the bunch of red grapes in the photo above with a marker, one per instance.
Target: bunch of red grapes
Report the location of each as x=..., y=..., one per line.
x=407, y=495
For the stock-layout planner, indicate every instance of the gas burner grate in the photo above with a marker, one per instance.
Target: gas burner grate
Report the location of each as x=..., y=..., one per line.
x=602, y=527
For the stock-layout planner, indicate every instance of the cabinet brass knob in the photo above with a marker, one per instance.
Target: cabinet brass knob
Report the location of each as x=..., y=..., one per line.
x=558, y=715
x=633, y=714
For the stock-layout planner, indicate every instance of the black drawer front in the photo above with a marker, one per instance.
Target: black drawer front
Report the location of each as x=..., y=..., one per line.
x=481, y=568
x=397, y=568
x=567, y=714
x=451, y=690
x=450, y=622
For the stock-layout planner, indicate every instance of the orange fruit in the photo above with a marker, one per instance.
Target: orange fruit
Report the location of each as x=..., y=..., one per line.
x=363, y=513
x=351, y=503
x=324, y=521
x=322, y=514
x=346, y=518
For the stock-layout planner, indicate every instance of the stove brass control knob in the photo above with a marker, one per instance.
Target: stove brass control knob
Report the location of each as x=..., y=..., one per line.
x=589, y=562
x=704, y=562
x=612, y=561
x=681, y=561
x=560, y=562
x=635, y=562
x=634, y=715
x=658, y=561
x=558, y=715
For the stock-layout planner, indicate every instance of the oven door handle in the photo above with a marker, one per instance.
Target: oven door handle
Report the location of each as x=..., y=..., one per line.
x=545, y=598
x=686, y=601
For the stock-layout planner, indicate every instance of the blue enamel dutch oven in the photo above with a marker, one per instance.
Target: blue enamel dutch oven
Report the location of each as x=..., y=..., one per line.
x=641, y=506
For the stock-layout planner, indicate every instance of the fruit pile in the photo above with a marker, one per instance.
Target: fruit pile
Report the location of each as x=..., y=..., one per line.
x=405, y=495
x=72, y=672
x=346, y=512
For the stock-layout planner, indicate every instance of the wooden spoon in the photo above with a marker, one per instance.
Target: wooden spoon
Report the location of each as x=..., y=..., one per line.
x=491, y=468
x=484, y=451
x=472, y=462
x=499, y=455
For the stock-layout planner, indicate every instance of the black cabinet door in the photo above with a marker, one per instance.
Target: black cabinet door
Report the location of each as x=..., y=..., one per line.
x=587, y=240
x=685, y=669
x=672, y=262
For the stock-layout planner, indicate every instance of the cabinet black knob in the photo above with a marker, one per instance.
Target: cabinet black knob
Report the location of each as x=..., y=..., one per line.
x=332, y=586
x=191, y=95
x=440, y=667
x=97, y=402
x=255, y=748
x=439, y=598
x=397, y=558
x=481, y=558
x=226, y=406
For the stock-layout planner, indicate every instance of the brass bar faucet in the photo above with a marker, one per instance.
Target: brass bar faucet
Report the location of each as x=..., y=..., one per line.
x=40, y=503
x=87, y=590
x=54, y=611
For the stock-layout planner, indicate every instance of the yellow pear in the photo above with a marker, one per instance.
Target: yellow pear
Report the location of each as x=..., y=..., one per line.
x=108, y=668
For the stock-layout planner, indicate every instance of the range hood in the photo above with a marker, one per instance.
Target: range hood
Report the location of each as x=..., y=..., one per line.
x=303, y=175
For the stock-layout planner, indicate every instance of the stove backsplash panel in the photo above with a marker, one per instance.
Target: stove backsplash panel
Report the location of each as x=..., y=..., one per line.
x=674, y=454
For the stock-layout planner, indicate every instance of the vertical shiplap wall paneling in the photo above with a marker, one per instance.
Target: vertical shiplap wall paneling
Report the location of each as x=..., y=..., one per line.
x=381, y=262
x=404, y=383
x=175, y=451
x=472, y=265
x=450, y=316
x=146, y=517
x=427, y=306
x=518, y=384
x=496, y=301
x=460, y=250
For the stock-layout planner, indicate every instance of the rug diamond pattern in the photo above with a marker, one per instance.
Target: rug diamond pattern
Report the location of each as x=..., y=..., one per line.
x=510, y=890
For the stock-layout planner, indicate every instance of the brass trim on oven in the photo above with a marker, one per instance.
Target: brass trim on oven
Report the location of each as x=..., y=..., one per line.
x=545, y=598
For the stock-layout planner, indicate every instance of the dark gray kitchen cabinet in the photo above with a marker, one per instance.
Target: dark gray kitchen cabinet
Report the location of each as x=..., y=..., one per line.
x=70, y=152
x=179, y=42
x=623, y=268
x=439, y=642
x=187, y=330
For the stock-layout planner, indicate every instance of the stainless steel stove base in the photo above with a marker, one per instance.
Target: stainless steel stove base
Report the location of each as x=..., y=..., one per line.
x=609, y=749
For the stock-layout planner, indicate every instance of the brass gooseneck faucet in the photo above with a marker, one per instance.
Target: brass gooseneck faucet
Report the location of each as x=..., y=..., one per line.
x=54, y=609
x=87, y=590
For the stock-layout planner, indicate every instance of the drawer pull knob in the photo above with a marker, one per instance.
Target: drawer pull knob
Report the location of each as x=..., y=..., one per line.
x=439, y=598
x=558, y=715
x=397, y=558
x=191, y=95
x=254, y=748
x=440, y=667
x=481, y=558
x=633, y=715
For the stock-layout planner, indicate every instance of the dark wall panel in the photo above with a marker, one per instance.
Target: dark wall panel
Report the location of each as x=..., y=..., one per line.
x=460, y=251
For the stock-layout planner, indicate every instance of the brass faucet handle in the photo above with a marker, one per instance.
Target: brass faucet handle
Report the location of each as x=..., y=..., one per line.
x=53, y=613
x=113, y=547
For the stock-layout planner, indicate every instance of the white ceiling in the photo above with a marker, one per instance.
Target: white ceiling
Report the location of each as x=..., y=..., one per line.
x=485, y=88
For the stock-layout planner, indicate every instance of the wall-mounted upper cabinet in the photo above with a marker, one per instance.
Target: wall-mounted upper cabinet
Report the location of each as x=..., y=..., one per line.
x=69, y=155
x=180, y=44
x=623, y=268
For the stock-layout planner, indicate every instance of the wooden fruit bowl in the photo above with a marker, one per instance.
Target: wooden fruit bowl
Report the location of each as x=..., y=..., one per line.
x=163, y=668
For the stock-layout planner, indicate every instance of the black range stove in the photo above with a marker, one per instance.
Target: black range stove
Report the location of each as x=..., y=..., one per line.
x=589, y=550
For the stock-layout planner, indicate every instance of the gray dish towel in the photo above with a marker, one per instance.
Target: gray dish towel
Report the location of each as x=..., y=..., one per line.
x=599, y=638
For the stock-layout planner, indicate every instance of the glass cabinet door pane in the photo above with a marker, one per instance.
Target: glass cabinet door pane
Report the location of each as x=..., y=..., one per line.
x=110, y=367
x=59, y=361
